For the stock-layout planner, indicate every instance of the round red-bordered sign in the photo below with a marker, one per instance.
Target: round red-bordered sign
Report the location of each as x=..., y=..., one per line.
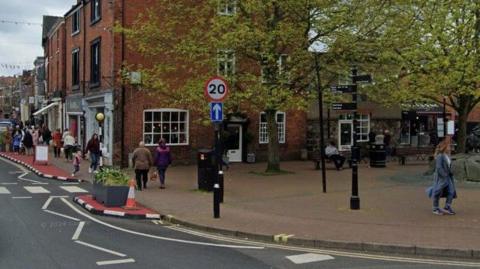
x=216, y=89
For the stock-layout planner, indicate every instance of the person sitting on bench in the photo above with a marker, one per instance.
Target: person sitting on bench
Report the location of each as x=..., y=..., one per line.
x=332, y=153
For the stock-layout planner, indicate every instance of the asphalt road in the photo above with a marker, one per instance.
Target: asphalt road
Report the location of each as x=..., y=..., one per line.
x=40, y=227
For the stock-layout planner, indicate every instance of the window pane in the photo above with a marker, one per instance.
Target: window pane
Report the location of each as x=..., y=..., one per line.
x=166, y=116
x=183, y=115
x=280, y=117
x=148, y=116
x=263, y=117
x=174, y=139
x=174, y=127
x=148, y=128
x=182, y=127
x=148, y=139
x=166, y=137
x=182, y=139
x=165, y=127
x=156, y=138
x=157, y=116
x=174, y=116
x=157, y=128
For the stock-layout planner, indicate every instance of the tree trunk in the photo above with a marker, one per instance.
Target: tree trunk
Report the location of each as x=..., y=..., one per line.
x=462, y=129
x=273, y=147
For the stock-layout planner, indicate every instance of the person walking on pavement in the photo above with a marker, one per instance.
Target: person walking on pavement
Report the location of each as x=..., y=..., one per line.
x=77, y=159
x=46, y=135
x=28, y=142
x=68, y=145
x=93, y=146
x=332, y=153
x=35, y=136
x=8, y=140
x=57, y=143
x=142, y=160
x=443, y=181
x=163, y=159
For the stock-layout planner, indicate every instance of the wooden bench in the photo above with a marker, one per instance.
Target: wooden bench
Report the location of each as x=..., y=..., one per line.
x=421, y=153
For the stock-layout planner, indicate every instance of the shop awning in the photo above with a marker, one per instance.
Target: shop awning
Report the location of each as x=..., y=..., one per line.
x=43, y=109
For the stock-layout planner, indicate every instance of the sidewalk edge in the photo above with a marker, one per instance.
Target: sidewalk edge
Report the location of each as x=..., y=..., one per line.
x=37, y=172
x=111, y=213
x=365, y=247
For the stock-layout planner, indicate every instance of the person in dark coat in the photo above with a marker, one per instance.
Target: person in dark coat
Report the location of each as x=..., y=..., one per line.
x=28, y=142
x=142, y=160
x=163, y=159
x=46, y=136
x=93, y=146
x=443, y=181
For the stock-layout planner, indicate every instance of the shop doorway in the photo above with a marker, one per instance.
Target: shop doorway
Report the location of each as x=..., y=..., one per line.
x=233, y=142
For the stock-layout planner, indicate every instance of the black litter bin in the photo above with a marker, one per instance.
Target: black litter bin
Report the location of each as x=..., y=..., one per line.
x=207, y=169
x=378, y=155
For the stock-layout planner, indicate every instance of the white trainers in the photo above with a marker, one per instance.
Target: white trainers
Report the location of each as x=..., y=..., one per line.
x=89, y=170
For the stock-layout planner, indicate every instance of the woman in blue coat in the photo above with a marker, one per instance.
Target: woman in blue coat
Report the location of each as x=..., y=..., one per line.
x=443, y=182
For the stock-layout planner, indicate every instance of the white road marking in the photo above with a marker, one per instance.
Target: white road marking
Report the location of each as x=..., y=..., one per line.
x=73, y=189
x=9, y=183
x=70, y=183
x=33, y=181
x=22, y=197
x=115, y=262
x=155, y=236
x=36, y=189
x=15, y=172
x=78, y=230
x=158, y=222
x=4, y=190
x=61, y=215
x=47, y=203
x=309, y=258
x=101, y=249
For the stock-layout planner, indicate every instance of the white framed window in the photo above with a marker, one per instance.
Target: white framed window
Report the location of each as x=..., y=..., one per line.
x=227, y=7
x=76, y=22
x=263, y=129
x=225, y=63
x=363, y=126
x=167, y=123
x=281, y=67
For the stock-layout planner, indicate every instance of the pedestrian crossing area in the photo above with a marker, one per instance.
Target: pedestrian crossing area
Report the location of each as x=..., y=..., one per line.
x=19, y=189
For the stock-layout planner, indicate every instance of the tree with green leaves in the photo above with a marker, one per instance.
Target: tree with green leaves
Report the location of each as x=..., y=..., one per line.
x=260, y=47
x=427, y=50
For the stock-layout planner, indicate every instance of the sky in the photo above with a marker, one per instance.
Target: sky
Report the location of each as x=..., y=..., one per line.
x=20, y=44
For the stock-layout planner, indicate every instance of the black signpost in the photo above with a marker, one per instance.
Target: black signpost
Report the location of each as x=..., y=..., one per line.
x=352, y=89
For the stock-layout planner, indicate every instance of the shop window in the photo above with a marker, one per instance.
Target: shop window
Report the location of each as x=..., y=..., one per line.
x=263, y=128
x=363, y=126
x=227, y=7
x=169, y=124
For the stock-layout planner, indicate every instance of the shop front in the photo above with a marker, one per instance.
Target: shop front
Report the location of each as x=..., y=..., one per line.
x=74, y=119
x=101, y=103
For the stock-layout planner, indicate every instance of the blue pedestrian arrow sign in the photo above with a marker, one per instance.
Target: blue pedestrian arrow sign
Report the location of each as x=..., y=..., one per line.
x=216, y=112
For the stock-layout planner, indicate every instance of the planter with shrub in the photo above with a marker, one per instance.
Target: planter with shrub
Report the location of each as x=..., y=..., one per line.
x=110, y=187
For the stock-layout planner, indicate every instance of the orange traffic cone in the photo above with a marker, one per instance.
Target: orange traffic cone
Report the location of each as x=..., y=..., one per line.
x=131, y=204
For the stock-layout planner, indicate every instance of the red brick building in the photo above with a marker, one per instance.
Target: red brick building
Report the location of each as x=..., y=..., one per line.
x=89, y=74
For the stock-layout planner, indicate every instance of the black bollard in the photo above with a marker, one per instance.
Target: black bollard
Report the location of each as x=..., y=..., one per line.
x=220, y=181
x=216, y=201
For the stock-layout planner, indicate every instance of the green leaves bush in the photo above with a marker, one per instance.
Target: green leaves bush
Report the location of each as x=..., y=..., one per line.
x=111, y=177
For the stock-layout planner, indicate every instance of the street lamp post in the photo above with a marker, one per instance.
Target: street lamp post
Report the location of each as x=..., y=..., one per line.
x=320, y=114
x=100, y=117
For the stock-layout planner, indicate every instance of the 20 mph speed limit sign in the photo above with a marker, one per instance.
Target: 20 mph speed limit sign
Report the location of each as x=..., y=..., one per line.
x=216, y=89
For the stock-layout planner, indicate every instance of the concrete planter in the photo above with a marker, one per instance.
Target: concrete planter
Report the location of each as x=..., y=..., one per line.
x=110, y=196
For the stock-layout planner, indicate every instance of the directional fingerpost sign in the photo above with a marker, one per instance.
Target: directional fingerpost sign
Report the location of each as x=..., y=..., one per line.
x=344, y=106
x=216, y=89
x=216, y=112
x=344, y=88
x=363, y=78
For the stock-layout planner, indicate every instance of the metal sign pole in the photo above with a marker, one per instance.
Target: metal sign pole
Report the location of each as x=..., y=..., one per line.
x=355, y=199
